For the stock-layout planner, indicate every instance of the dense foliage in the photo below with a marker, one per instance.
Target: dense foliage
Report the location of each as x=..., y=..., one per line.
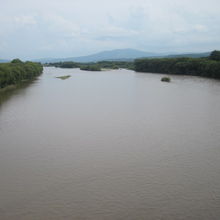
x=165, y=79
x=92, y=67
x=69, y=64
x=17, y=71
x=207, y=67
x=215, y=55
x=116, y=64
x=95, y=66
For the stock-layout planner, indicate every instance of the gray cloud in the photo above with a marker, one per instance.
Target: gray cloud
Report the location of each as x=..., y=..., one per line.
x=55, y=28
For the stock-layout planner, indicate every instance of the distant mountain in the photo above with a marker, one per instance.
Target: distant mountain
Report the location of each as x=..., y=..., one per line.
x=119, y=55
x=192, y=55
x=4, y=61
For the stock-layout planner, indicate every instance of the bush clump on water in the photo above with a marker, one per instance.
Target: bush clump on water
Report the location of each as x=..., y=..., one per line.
x=165, y=79
x=63, y=77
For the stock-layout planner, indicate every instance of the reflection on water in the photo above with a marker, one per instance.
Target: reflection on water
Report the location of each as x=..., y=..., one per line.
x=110, y=145
x=10, y=91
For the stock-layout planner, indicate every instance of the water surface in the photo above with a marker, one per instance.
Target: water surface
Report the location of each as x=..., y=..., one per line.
x=110, y=145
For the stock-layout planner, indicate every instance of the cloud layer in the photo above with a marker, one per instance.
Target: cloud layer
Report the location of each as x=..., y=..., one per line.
x=55, y=28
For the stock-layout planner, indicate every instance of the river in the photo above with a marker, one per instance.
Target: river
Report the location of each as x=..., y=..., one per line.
x=111, y=145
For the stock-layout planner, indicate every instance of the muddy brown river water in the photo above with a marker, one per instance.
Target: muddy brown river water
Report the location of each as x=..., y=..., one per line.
x=112, y=145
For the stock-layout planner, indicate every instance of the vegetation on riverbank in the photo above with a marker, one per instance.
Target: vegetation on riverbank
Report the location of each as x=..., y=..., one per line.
x=116, y=65
x=206, y=67
x=95, y=66
x=18, y=71
x=91, y=67
x=65, y=64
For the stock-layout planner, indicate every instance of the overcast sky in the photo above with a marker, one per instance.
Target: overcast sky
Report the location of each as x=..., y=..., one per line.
x=65, y=28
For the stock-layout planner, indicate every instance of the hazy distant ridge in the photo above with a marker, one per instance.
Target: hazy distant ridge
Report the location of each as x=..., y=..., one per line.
x=192, y=55
x=117, y=55
x=4, y=61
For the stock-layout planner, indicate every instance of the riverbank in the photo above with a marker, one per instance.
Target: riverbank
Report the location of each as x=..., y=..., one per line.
x=205, y=67
x=97, y=66
x=17, y=72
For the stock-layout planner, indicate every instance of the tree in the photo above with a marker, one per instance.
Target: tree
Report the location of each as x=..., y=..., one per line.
x=215, y=55
x=16, y=61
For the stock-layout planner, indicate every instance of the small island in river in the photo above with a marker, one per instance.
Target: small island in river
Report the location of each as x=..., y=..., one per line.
x=63, y=77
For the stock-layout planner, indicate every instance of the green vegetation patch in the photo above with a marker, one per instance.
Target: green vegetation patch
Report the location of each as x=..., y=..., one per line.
x=67, y=65
x=18, y=71
x=116, y=65
x=98, y=66
x=165, y=79
x=205, y=67
x=63, y=77
x=91, y=67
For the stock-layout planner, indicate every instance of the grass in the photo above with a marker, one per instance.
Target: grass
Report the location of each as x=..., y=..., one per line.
x=63, y=77
x=165, y=79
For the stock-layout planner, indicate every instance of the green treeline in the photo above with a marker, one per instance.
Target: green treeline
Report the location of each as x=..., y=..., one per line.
x=206, y=67
x=82, y=66
x=91, y=67
x=17, y=71
x=69, y=64
x=116, y=64
x=95, y=66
